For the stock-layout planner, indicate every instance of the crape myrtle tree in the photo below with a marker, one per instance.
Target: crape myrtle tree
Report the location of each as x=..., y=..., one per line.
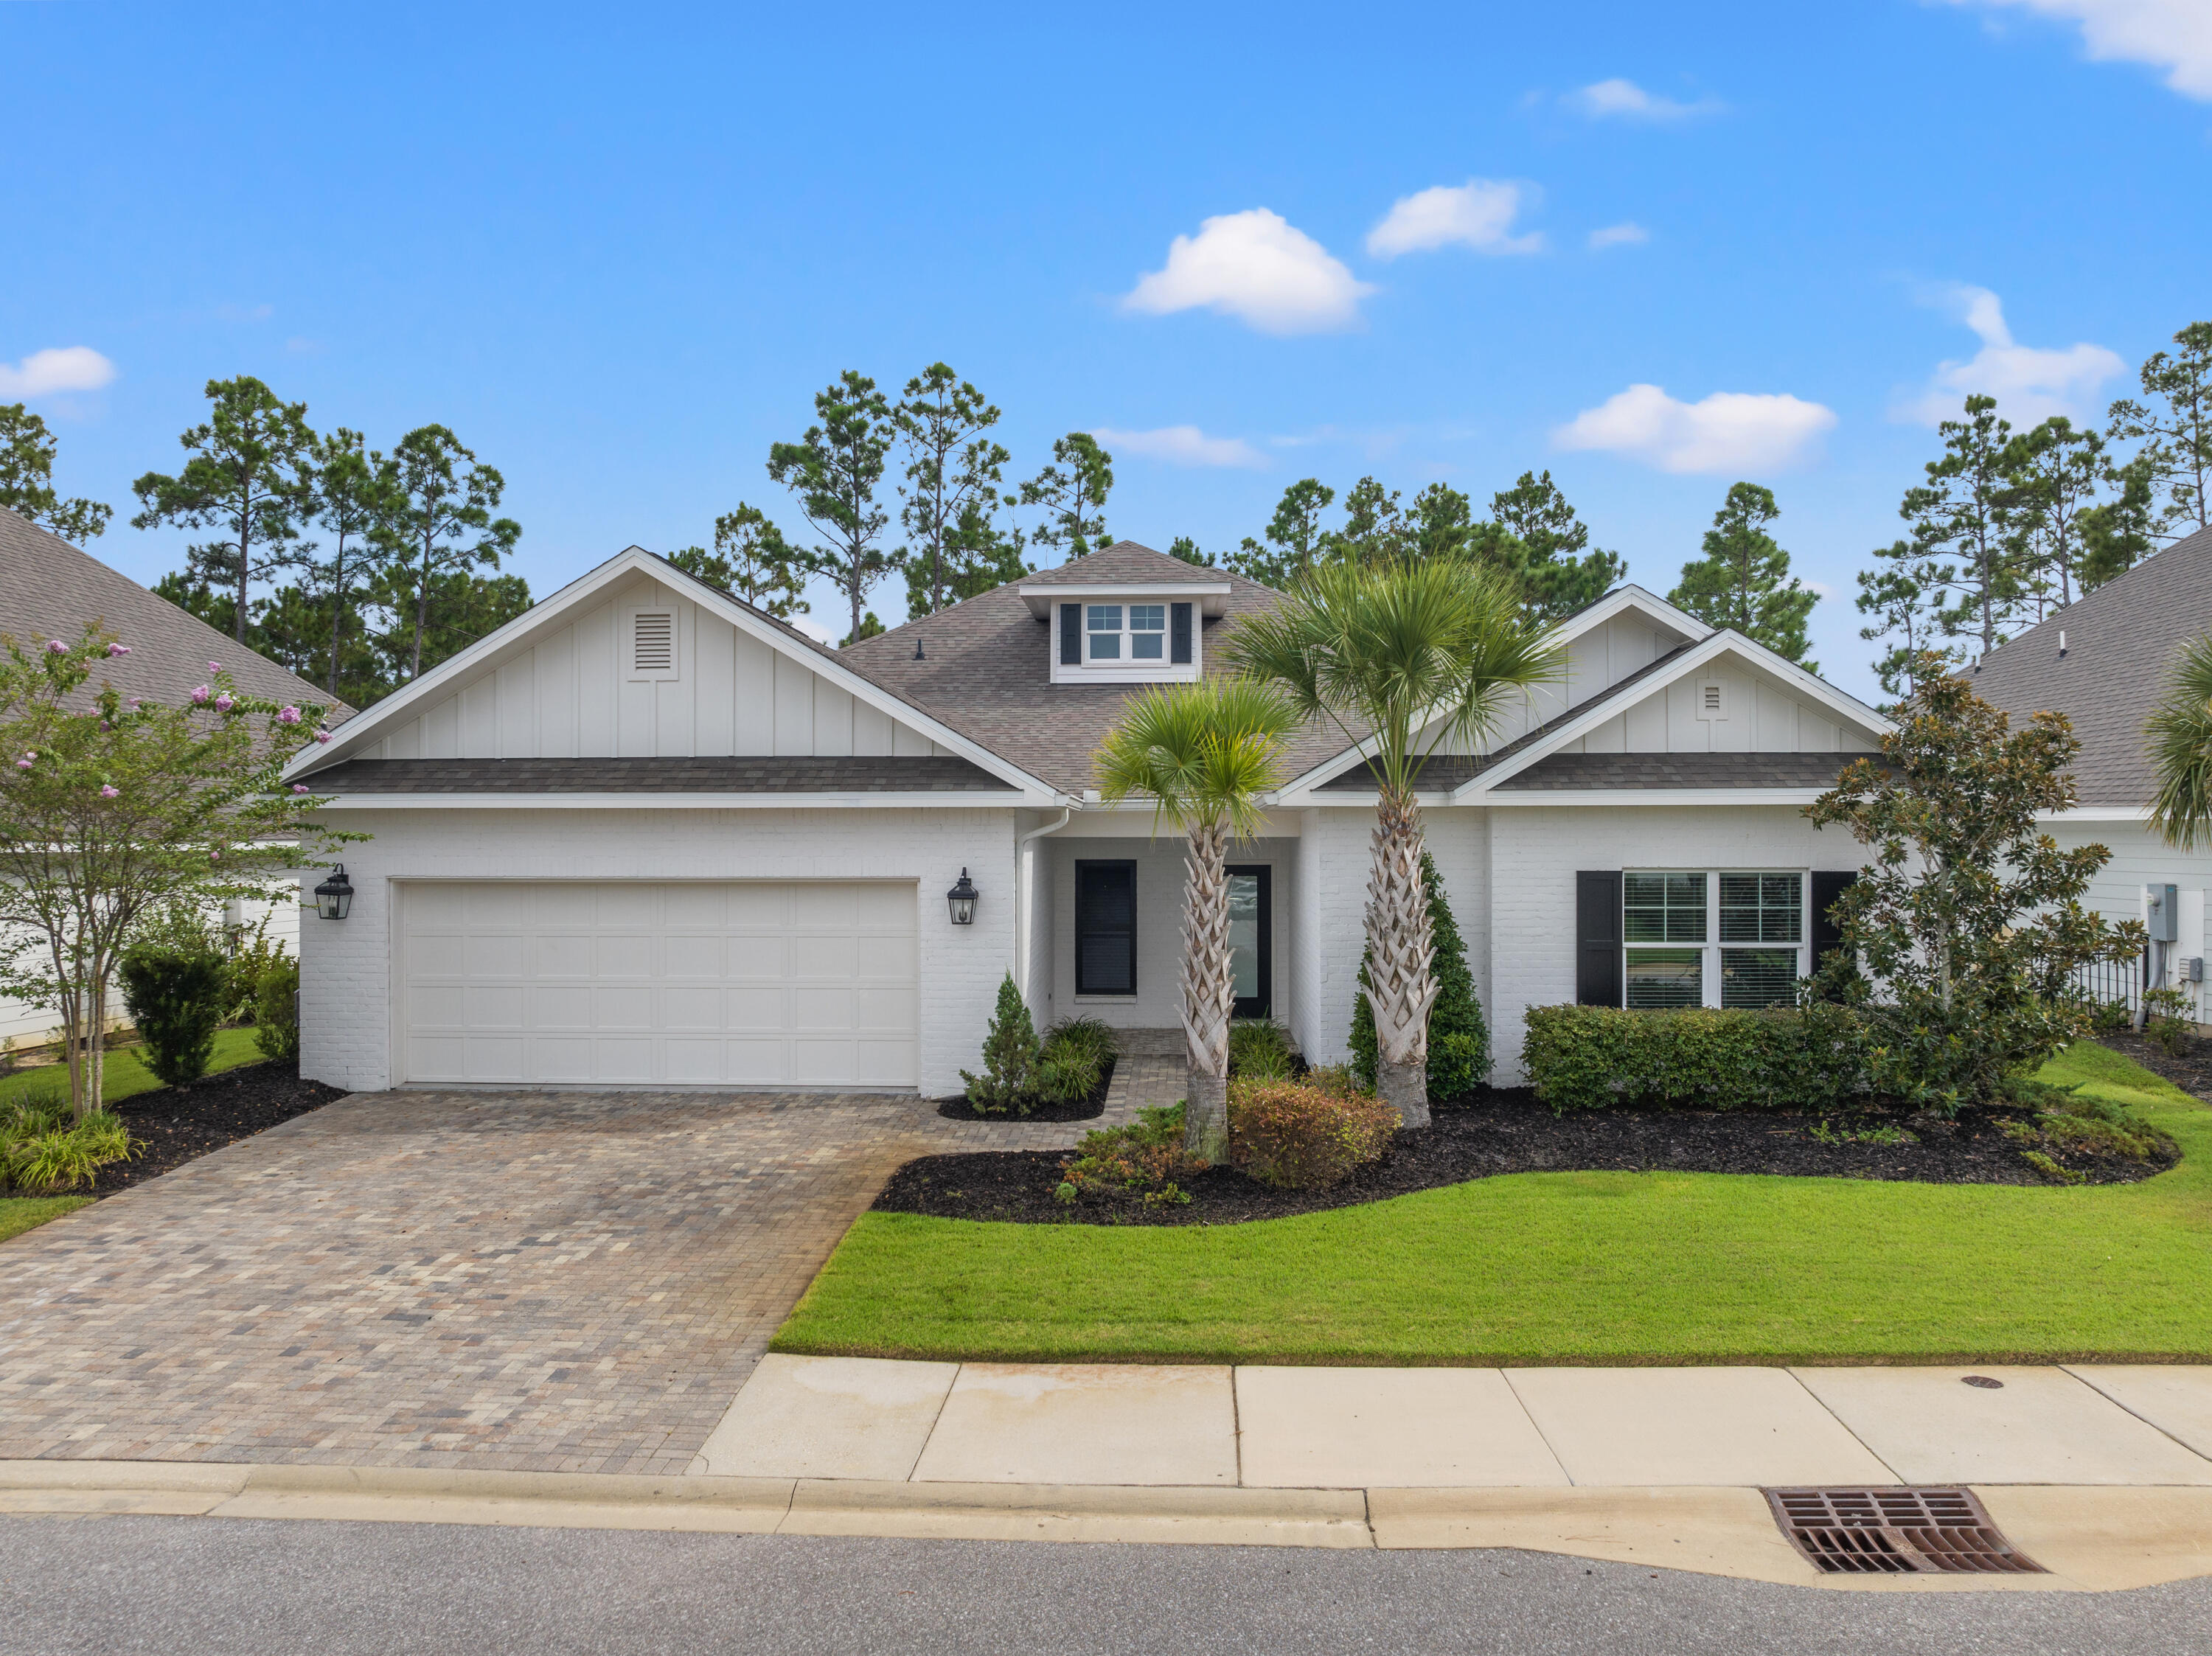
x=1962, y=936
x=26, y=479
x=250, y=478
x=834, y=469
x=113, y=812
x=1072, y=491
x=1205, y=753
x=1401, y=657
x=440, y=525
x=1743, y=580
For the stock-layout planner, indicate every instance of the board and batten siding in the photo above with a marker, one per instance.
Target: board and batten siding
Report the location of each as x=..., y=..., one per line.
x=569, y=694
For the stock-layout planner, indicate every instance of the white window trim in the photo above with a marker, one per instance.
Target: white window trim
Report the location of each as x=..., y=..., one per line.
x=1709, y=978
x=1124, y=671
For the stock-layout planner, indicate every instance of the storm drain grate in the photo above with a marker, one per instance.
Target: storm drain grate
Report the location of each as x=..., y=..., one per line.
x=1894, y=1530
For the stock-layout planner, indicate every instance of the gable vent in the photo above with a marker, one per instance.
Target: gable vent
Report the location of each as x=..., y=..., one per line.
x=1712, y=699
x=653, y=643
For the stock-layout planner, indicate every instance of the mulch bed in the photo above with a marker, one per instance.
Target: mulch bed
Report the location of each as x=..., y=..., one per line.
x=1502, y=1132
x=957, y=1108
x=177, y=1123
x=2191, y=1071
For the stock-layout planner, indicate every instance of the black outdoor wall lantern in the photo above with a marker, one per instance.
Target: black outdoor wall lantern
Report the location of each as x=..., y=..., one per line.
x=961, y=900
x=335, y=895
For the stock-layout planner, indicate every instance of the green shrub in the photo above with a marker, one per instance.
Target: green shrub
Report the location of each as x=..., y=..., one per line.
x=2170, y=1019
x=1260, y=1050
x=1139, y=1162
x=43, y=1152
x=1010, y=1059
x=1588, y=1057
x=177, y=996
x=276, y=1011
x=1458, y=1039
x=1296, y=1137
x=253, y=955
x=1073, y=1060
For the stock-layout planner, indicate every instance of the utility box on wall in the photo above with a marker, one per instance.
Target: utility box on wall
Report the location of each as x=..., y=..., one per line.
x=2161, y=913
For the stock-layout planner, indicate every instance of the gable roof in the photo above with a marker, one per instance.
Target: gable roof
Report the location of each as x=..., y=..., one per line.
x=588, y=589
x=2120, y=643
x=49, y=589
x=986, y=667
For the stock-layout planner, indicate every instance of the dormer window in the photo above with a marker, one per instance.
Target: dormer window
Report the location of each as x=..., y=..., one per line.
x=1144, y=638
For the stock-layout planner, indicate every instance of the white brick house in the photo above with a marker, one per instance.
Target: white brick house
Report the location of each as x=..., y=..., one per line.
x=646, y=835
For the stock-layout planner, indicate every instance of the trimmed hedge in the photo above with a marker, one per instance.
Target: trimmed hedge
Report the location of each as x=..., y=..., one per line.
x=1583, y=1058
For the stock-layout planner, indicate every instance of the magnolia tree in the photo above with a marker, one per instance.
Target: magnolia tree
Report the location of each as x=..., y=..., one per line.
x=113, y=811
x=1968, y=922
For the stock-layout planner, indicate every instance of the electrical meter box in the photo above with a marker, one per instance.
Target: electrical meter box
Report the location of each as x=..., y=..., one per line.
x=2161, y=913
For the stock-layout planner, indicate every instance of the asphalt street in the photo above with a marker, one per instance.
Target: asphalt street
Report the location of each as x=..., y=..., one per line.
x=192, y=1586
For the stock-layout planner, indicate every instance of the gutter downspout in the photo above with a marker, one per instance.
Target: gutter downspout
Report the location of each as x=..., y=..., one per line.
x=1021, y=891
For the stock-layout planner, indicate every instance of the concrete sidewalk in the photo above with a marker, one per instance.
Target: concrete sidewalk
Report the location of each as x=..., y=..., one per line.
x=2102, y=1474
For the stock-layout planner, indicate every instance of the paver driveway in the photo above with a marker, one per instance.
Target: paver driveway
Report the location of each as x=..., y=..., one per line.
x=526, y=1281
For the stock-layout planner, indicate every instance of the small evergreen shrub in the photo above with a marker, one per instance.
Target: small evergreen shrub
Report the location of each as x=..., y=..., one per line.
x=276, y=1010
x=1010, y=1059
x=2170, y=1021
x=1296, y=1137
x=1260, y=1050
x=1581, y=1058
x=1458, y=1039
x=177, y=995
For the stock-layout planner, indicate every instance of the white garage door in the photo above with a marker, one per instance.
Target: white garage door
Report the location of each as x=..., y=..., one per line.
x=632, y=984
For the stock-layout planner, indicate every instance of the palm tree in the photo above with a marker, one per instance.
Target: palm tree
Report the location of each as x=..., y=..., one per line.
x=1402, y=657
x=1205, y=753
x=2180, y=732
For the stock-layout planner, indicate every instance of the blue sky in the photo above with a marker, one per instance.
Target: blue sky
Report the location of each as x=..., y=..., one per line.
x=617, y=250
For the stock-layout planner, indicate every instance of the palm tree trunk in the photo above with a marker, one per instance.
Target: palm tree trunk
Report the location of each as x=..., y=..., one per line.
x=1402, y=984
x=1209, y=993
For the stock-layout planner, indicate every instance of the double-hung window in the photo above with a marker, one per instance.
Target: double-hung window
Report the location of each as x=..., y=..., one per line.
x=1126, y=632
x=1712, y=938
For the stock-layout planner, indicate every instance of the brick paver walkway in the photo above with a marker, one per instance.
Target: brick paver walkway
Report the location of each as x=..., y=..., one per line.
x=566, y=1282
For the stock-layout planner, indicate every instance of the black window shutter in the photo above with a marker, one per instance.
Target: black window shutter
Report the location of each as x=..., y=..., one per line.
x=1598, y=936
x=1070, y=635
x=1827, y=936
x=1179, y=634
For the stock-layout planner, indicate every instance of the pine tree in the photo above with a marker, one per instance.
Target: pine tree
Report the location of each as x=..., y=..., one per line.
x=1459, y=1040
x=1744, y=581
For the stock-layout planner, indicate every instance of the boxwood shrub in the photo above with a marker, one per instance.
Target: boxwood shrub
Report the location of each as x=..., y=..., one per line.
x=1582, y=1058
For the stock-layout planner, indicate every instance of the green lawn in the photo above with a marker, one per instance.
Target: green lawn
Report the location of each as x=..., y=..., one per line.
x=126, y=1077
x=1579, y=1267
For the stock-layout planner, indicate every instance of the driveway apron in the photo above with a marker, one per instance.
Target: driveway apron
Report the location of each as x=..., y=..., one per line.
x=572, y=1282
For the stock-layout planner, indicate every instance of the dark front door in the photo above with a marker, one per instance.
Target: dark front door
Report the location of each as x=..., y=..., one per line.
x=1252, y=938
x=1106, y=928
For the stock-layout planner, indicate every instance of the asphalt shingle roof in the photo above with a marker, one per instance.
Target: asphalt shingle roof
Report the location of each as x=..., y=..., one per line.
x=2120, y=643
x=1679, y=770
x=49, y=589
x=716, y=775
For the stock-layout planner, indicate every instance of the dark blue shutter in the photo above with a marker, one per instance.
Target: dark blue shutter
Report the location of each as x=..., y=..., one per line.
x=1070, y=635
x=1597, y=937
x=1179, y=634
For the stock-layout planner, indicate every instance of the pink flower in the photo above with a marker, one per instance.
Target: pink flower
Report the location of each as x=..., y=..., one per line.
x=214, y=666
x=322, y=735
x=119, y=649
x=224, y=704
x=200, y=694
x=215, y=856
x=107, y=793
x=56, y=647
x=287, y=716
x=22, y=764
x=299, y=787
x=136, y=702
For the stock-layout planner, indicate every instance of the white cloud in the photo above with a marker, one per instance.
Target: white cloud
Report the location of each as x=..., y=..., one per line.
x=1624, y=101
x=1257, y=267
x=2174, y=35
x=2029, y=383
x=814, y=629
x=1478, y=214
x=1183, y=445
x=1618, y=235
x=1738, y=432
x=42, y=374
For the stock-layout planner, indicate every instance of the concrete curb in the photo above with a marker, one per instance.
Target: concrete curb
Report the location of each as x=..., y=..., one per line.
x=2092, y=1539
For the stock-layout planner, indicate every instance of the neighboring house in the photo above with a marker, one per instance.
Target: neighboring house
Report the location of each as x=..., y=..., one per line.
x=647, y=836
x=50, y=590
x=2103, y=661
